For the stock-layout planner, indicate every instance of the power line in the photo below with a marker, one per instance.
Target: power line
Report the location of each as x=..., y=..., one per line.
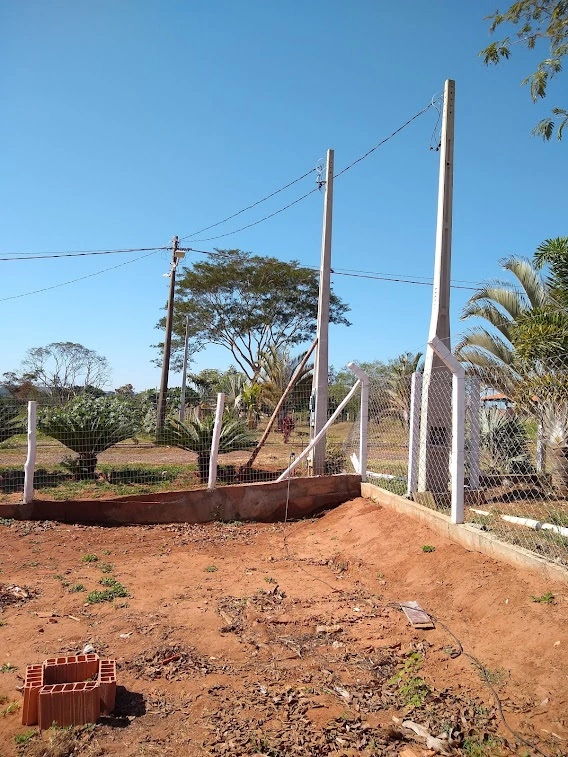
x=81, y=278
x=77, y=254
x=265, y=218
x=249, y=207
x=303, y=197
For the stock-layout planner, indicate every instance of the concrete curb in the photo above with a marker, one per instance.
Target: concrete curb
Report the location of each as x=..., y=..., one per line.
x=467, y=536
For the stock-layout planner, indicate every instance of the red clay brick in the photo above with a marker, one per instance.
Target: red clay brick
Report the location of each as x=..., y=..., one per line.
x=107, y=683
x=32, y=685
x=69, y=704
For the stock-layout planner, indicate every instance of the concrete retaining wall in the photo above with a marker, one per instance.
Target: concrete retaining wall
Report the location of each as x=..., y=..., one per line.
x=467, y=536
x=258, y=502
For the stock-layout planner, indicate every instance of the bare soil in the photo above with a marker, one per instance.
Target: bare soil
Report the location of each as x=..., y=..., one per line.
x=251, y=639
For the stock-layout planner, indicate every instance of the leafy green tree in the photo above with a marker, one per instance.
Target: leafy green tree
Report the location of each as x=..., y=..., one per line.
x=398, y=384
x=534, y=22
x=248, y=304
x=90, y=425
x=197, y=435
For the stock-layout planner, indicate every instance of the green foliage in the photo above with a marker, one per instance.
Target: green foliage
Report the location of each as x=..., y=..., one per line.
x=7, y=667
x=89, y=558
x=248, y=304
x=504, y=443
x=22, y=739
x=428, y=548
x=535, y=21
x=89, y=426
x=196, y=436
x=412, y=689
x=546, y=599
x=114, y=590
x=11, y=423
x=211, y=569
x=480, y=746
x=106, y=567
x=77, y=588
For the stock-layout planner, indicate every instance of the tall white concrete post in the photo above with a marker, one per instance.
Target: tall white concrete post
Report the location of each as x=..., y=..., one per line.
x=436, y=417
x=321, y=367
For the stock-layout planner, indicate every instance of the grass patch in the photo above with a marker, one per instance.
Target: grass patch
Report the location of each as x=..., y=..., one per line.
x=211, y=569
x=545, y=599
x=8, y=668
x=428, y=548
x=480, y=746
x=77, y=588
x=22, y=739
x=115, y=589
x=10, y=709
x=106, y=567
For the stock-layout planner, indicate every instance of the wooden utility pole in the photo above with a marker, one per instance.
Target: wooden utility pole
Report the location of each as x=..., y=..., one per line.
x=161, y=410
x=436, y=415
x=321, y=368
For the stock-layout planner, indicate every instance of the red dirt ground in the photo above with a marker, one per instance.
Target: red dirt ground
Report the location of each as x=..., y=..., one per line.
x=239, y=612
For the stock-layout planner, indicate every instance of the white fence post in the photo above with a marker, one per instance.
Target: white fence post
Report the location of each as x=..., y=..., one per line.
x=474, y=404
x=364, y=420
x=322, y=433
x=414, y=433
x=458, y=416
x=215, y=440
x=29, y=466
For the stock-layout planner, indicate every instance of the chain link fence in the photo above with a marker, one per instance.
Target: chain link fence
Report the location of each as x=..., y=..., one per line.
x=110, y=445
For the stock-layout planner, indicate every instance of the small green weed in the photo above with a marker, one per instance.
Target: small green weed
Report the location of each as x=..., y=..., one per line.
x=22, y=739
x=269, y=580
x=11, y=708
x=77, y=588
x=211, y=569
x=476, y=746
x=106, y=567
x=428, y=548
x=545, y=599
x=412, y=689
x=89, y=558
x=8, y=668
x=115, y=589
x=106, y=551
x=2, y=623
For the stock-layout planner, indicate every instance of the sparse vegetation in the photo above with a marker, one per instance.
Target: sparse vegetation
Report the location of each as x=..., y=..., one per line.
x=428, y=548
x=210, y=569
x=77, y=588
x=22, y=739
x=115, y=589
x=7, y=667
x=546, y=599
x=89, y=558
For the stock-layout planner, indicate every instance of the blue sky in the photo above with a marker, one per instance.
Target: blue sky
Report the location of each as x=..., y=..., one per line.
x=127, y=122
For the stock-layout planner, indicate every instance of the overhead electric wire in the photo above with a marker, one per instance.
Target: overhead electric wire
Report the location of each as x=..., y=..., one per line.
x=303, y=197
x=81, y=278
x=77, y=254
x=249, y=207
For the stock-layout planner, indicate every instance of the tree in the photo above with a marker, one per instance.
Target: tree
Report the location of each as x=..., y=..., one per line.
x=90, y=425
x=63, y=369
x=399, y=378
x=196, y=436
x=248, y=304
x=535, y=21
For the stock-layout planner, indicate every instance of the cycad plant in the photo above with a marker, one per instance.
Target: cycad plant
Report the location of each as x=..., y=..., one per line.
x=197, y=435
x=90, y=425
x=10, y=420
x=504, y=442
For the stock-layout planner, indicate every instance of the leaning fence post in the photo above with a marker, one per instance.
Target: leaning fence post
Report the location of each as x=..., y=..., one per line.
x=215, y=440
x=458, y=416
x=364, y=420
x=474, y=405
x=29, y=465
x=414, y=432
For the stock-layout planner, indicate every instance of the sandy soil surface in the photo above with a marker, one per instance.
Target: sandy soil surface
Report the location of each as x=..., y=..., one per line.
x=286, y=646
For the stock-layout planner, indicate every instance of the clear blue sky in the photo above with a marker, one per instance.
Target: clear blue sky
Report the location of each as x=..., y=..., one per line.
x=127, y=122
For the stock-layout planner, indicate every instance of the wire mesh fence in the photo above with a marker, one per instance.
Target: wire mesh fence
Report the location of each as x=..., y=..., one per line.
x=110, y=445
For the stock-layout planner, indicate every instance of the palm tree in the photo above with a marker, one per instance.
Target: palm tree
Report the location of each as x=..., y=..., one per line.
x=278, y=367
x=398, y=384
x=525, y=353
x=90, y=425
x=197, y=435
x=490, y=352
